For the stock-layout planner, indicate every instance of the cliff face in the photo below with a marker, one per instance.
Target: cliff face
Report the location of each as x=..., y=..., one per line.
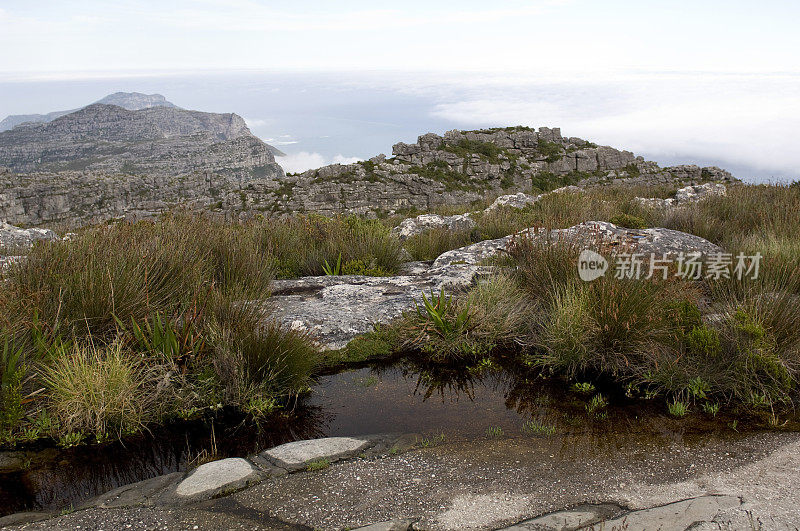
x=229, y=170
x=157, y=141
x=464, y=166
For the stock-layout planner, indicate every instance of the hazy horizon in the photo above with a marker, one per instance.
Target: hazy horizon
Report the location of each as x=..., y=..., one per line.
x=742, y=123
x=711, y=83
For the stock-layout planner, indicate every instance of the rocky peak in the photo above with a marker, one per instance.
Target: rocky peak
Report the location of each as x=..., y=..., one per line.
x=133, y=101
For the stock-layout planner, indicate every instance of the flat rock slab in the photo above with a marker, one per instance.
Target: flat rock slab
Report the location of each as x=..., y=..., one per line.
x=213, y=478
x=678, y=516
x=389, y=525
x=335, y=309
x=298, y=454
x=569, y=520
x=591, y=234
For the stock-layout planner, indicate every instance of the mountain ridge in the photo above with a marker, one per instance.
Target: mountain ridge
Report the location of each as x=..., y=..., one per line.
x=457, y=168
x=132, y=101
x=157, y=140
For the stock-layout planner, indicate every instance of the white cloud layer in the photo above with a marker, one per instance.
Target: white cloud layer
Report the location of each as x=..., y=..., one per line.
x=304, y=160
x=738, y=120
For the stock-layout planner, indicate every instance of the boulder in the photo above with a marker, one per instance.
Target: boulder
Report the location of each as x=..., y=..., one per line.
x=413, y=226
x=299, y=454
x=12, y=237
x=335, y=309
x=684, y=196
x=520, y=200
x=216, y=477
x=590, y=234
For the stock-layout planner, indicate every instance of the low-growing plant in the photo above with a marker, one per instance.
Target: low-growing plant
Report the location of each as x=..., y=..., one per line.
x=584, y=388
x=319, y=464
x=494, y=431
x=535, y=427
x=334, y=270
x=711, y=408
x=597, y=403
x=678, y=408
x=629, y=221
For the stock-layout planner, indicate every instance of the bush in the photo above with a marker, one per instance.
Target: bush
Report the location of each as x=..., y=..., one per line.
x=429, y=244
x=609, y=327
x=628, y=221
x=100, y=389
x=300, y=245
x=104, y=312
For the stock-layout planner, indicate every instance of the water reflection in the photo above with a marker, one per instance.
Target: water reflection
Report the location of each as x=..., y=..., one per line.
x=403, y=398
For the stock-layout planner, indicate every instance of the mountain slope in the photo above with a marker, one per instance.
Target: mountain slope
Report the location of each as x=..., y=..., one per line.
x=157, y=141
x=133, y=101
x=457, y=168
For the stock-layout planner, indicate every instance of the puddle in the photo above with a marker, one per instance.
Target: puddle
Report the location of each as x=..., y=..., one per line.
x=439, y=406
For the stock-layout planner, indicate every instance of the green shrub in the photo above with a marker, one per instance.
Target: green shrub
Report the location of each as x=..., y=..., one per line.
x=628, y=221
x=12, y=374
x=100, y=389
x=429, y=244
x=300, y=245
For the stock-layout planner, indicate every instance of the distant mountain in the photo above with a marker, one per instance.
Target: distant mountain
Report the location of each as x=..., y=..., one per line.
x=156, y=141
x=133, y=101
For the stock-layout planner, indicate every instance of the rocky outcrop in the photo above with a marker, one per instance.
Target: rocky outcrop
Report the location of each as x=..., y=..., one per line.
x=314, y=304
x=157, y=141
x=685, y=196
x=20, y=239
x=212, y=161
x=133, y=101
x=412, y=226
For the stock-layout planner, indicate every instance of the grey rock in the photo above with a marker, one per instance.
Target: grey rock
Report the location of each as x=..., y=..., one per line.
x=698, y=192
x=579, y=517
x=315, y=304
x=518, y=200
x=678, y=516
x=298, y=454
x=390, y=525
x=413, y=226
x=685, y=196
x=591, y=234
x=16, y=238
x=145, y=492
x=217, y=477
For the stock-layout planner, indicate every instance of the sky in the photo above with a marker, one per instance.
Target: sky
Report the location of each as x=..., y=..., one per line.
x=701, y=81
x=47, y=36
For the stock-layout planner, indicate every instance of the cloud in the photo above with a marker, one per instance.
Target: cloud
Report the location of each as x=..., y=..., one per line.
x=737, y=120
x=304, y=160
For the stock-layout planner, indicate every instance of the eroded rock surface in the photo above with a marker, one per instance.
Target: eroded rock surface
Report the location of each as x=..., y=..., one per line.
x=413, y=226
x=15, y=238
x=335, y=309
x=211, y=478
x=686, y=195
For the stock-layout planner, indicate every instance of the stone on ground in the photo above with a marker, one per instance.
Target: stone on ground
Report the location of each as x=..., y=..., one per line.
x=218, y=476
x=298, y=454
x=678, y=516
x=389, y=525
x=16, y=238
x=413, y=226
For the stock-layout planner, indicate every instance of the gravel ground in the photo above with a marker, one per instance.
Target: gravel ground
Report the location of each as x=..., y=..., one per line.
x=489, y=483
